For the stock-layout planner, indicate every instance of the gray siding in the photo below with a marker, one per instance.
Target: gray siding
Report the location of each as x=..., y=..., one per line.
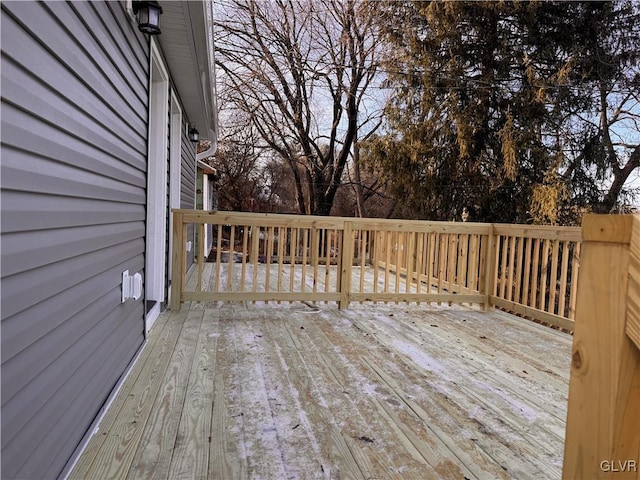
x=188, y=185
x=74, y=127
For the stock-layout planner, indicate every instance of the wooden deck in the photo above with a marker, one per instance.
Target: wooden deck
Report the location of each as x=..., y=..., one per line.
x=303, y=391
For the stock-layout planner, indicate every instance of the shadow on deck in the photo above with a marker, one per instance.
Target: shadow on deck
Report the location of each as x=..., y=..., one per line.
x=299, y=391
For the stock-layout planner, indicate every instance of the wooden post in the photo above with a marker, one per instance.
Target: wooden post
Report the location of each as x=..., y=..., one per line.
x=232, y=241
x=544, y=273
x=314, y=257
x=245, y=235
x=633, y=289
x=346, y=265
x=200, y=256
x=255, y=253
x=176, y=267
x=339, y=247
x=373, y=248
x=375, y=259
x=603, y=420
x=305, y=244
x=489, y=281
x=183, y=259
x=575, y=268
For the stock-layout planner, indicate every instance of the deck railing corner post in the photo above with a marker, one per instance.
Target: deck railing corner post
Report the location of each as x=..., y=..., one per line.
x=604, y=401
x=489, y=280
x=177, y=263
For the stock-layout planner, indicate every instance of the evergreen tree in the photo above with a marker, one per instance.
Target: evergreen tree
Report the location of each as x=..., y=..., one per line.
x=498, y=107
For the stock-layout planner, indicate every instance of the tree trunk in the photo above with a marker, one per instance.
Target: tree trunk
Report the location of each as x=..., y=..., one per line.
x=620, y=176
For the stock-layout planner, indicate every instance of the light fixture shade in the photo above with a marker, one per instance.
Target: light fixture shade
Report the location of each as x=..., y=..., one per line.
x=194, y=135
x=148, y=16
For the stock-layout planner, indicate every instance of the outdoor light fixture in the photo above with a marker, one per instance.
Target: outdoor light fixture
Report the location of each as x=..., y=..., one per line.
x=148, y=16
x=194, y=135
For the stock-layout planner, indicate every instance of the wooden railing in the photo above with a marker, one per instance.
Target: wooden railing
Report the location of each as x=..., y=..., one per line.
x=266, y=257
x=445, y=261
x=536, y=270
x=527, y=270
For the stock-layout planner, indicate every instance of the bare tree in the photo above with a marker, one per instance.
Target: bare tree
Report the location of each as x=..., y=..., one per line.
x=301, y=70
x=278, y=192
x=237, y=163
x=236, y=176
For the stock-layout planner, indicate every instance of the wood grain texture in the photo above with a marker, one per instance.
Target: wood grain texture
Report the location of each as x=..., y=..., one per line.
x=176, y=267
x=373, y=391
x=161, y=429
x=603, y=421
x=190, y=453
x=120, y=432
x=531, y=312
x=633, y=287
x=93, y=448
x=607, y=228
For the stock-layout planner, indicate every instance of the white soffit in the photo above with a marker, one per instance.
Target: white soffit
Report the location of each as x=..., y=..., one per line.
x=185, y=44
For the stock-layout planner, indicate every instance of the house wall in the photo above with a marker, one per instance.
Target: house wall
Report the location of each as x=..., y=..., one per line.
x=188, y=187
x=74, y=126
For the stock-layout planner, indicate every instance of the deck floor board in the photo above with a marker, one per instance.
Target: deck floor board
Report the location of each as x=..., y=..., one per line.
x=304, y=391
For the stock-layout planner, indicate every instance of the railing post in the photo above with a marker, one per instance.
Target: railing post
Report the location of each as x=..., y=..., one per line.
x=372, y=246
x=603, y=419
x=490, y=258
x=177, y=272
x=633, y=289
x=346, y=263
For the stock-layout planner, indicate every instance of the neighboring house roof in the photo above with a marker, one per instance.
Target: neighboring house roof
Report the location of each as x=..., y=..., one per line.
x=187, y=44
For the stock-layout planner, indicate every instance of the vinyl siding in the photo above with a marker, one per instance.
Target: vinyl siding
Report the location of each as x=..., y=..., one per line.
x=74, y=146
x=188, y=185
